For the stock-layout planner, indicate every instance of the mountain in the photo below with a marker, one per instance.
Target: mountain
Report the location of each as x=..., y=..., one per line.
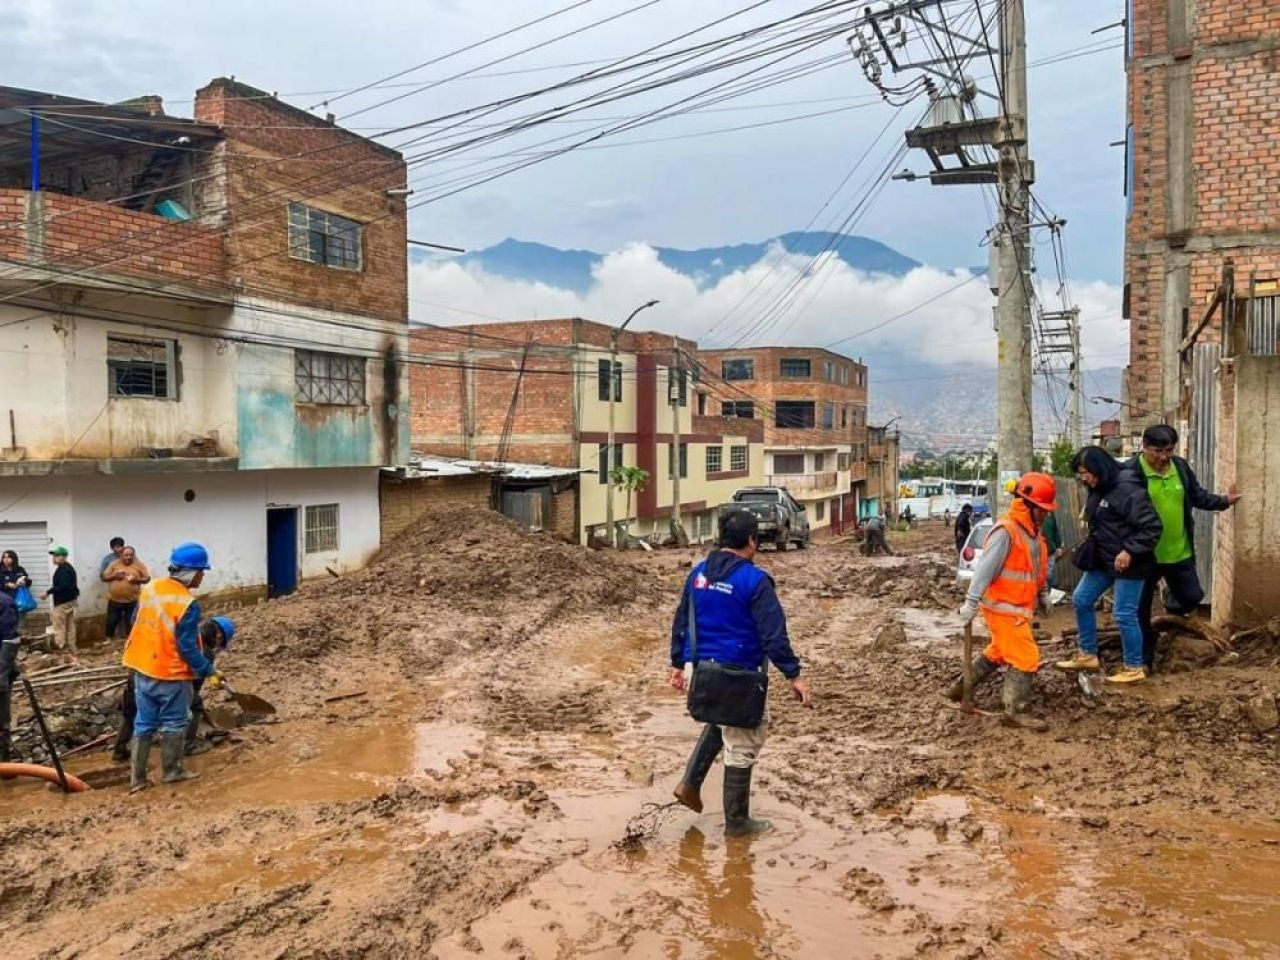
x=572, y=269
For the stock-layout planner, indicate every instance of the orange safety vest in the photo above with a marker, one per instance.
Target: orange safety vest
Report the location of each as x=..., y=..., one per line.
x=1026, y=568
x=152, y=647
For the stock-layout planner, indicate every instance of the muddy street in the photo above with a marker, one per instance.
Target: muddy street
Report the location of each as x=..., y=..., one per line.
x=468, y=728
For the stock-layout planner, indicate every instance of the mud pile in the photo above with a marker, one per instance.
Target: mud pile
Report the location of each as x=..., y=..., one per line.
x=458, y=572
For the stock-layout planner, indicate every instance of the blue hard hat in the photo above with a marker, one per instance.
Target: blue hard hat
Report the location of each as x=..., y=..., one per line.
x=228, y=629
x=191, y=555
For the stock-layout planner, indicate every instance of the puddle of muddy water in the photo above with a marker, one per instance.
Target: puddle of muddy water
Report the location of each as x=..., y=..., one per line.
x=805, y=888
x=926, y=628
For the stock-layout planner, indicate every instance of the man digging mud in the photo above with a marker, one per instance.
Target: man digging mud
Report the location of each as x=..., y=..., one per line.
x=737, y=622
x=1008, y=582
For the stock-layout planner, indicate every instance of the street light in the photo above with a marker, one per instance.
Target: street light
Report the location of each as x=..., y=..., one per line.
x=615, y=382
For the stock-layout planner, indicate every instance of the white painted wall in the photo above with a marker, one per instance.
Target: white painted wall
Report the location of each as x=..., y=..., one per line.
x=228, y=514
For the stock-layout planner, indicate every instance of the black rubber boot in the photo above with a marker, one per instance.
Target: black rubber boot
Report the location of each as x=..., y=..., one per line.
x=689, y=791
x=982, y=668
x=193, y=744
x=141, y=754
x=172, y=746
x=737, y=804
x=120, y=749
x=1015, y=696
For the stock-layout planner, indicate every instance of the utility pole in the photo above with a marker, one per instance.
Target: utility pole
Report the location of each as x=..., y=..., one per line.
x=615, y=387
x=1077, y=384
x=673, y=396
x=910, y=35
x=1013, y=361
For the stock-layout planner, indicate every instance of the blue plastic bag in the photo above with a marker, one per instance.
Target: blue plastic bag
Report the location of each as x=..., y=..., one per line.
x=23, y=600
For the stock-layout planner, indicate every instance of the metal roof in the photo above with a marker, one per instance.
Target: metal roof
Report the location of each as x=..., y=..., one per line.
x=429, y=466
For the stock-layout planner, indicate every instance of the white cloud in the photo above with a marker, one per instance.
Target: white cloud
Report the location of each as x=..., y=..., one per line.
x=781, y=300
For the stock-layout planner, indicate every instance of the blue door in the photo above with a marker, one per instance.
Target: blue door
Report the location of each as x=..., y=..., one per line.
x=282, y=551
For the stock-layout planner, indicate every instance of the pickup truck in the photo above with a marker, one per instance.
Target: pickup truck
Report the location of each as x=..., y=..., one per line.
x=782, y=519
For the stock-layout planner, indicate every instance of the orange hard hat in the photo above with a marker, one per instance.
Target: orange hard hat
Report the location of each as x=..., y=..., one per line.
x=1037, y=489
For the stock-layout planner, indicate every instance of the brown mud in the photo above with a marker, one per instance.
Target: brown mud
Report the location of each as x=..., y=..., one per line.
x=504, y=714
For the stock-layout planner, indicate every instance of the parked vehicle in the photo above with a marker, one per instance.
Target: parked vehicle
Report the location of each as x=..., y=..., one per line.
x=783, y=520
x=972, y=550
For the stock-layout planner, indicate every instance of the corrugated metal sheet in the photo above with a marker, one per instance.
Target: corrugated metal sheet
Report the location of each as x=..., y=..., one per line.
x=524, y=507
x=1264, y=326
x=1071, y=529
x=1202, y=444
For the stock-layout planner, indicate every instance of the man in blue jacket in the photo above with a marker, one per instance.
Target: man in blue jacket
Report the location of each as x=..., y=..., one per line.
x=739, y=622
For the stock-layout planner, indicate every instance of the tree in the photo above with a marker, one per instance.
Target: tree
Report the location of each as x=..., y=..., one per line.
x=632, y=480
x=1060, y=455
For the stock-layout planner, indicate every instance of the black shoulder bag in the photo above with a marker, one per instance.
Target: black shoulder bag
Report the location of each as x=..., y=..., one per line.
x=722, y=693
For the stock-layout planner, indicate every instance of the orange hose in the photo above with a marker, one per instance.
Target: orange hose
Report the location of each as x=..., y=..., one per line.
x=74, y=784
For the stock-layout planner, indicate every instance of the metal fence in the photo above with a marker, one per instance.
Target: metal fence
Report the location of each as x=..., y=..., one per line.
x=1071, y=528
x=1263, y=326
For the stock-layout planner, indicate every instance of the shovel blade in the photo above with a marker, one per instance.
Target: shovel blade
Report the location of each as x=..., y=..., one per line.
x=252, y=704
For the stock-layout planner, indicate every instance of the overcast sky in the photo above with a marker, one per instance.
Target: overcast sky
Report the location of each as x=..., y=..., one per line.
x=690, y=191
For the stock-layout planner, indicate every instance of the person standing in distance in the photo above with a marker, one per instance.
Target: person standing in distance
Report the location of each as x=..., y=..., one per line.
x=739, y=622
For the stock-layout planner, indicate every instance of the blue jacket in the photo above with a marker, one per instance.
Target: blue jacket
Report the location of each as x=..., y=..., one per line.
x=740, y=620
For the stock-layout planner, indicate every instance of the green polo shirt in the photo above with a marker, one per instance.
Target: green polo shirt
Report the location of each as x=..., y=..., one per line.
x=1168, y=497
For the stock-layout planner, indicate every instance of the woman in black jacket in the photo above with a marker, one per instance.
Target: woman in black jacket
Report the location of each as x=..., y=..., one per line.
x=13, y=576
x=1118, y=554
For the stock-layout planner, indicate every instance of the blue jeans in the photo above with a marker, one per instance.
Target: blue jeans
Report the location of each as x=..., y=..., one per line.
x=164, y=706
x=1128, y=594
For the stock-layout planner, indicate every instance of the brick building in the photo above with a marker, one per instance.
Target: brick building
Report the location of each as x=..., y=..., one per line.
x=1202, y=265
x=1202, y=166
x=812, y=404
x=206, y=320
x=538, y=392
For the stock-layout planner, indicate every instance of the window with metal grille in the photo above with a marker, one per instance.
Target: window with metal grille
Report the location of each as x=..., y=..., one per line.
x=324, y=238
x=743, y=369
x=322, y=528
x=788, y=463
x=842, y=462
x=602, y=375
x=328, y=378
x=795, y=369
x=715, y=459
x=140, y=367
x=738, y=458
x=746, y=409
x=793, y=413
x=605, y=467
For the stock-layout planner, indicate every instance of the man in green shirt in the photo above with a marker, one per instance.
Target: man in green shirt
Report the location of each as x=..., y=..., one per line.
x=1174, y=492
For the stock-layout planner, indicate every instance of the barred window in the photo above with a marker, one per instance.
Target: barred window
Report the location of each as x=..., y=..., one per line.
x=738, y=458
x=329, y=378
x=325, y=238
x=842, y=462
x=141, y=367
x=715, y=457
x=322, y=528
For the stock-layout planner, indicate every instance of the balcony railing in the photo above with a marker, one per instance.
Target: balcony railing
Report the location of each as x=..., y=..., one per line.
x=857, y=471
x=803, y=481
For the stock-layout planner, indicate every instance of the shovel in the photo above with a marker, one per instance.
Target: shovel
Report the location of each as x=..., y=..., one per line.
x=248, y=702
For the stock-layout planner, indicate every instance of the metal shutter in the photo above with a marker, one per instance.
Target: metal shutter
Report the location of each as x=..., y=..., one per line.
x=30, y=541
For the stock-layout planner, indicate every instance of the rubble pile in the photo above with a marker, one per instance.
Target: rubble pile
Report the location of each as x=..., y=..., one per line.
x=924, y=582
x=70, y=726
x=455, y=564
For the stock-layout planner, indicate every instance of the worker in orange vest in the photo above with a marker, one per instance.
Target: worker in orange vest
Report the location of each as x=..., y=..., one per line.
x=164, y=652
x=1009, y=581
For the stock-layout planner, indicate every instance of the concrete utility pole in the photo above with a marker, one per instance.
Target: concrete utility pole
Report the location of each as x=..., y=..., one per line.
x=673, y=395
x=909, y=35
x=615, y=384
x=1077, y=384
x=1013, y=330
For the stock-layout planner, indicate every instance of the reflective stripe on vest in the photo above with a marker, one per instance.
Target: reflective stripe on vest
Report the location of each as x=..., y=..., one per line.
x=152, y=647
x=1016, y=586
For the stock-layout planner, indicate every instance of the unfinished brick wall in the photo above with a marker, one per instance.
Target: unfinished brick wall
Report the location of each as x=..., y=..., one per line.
x=1204, y=102
x=275, y=154
x=563, y=521
x=769, y=386
x=402, y=501
x=79, y=234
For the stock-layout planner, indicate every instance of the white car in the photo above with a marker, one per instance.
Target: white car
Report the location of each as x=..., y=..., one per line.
x=972, y=550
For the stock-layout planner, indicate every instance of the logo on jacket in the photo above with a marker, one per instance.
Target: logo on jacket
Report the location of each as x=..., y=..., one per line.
x=700, y=582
